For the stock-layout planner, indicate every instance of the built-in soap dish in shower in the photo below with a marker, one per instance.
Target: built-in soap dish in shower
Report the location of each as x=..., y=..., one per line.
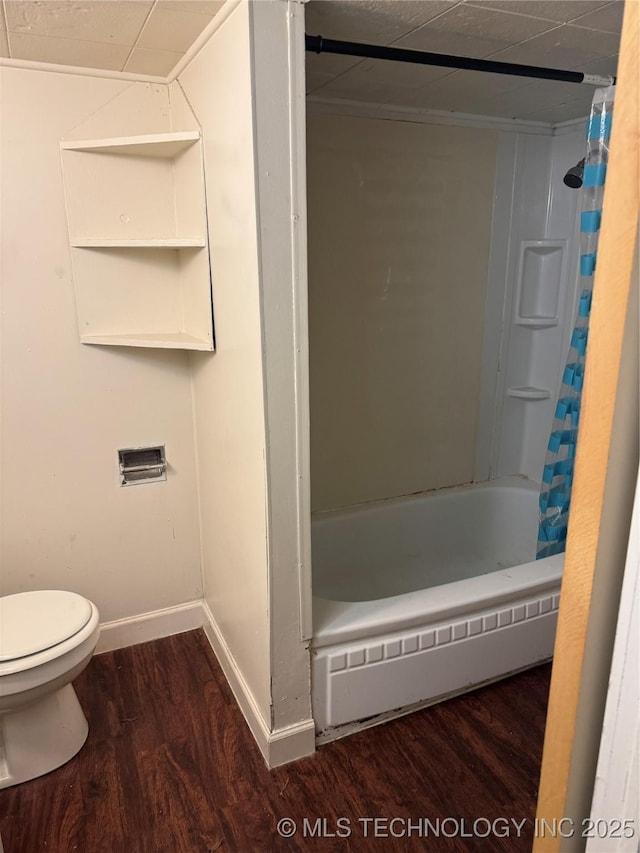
x=529, y=392
x=541, y=271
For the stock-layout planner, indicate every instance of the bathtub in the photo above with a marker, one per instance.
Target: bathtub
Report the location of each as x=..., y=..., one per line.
x=421, y=598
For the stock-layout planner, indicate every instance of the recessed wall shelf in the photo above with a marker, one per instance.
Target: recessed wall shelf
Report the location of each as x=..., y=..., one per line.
x=138, y=233
x=541, y=271
x=146, y=145
x=160, y=243
x=167, y=340
x=528, y=392
x=536, y=324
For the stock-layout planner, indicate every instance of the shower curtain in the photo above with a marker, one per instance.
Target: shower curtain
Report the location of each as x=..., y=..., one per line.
x=557, y=475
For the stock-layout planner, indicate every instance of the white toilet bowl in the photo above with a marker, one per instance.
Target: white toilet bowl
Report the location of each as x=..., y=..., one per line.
x=47, y=638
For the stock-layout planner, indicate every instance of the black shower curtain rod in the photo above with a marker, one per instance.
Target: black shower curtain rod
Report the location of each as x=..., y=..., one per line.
x=318, y=44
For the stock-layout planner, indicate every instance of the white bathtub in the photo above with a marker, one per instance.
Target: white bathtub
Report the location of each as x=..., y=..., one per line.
x=417, y=599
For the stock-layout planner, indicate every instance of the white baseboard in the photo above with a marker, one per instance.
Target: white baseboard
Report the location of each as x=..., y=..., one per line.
x=291, y=743
x=279, y=746
x=150, y=626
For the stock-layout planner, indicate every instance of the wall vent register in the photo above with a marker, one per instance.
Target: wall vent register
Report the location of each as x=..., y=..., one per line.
x=142, y=465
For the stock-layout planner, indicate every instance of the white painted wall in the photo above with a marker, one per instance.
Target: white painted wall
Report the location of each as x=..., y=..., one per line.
x=399, y=235
x=278, y=65
x=616, y=796
x=229, y=405
x=67, y=408
x=235, y=423
x=250, y=404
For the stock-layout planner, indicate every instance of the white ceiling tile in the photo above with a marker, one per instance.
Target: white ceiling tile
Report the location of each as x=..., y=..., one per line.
x=608, y=65
x=196, y=7
x=607, y=18
x=156, y=62
x=100, y=34
x=470, y=31
x=560, y=11
x=432, y=98
x=112, y=22
x=471, y=86
x=172, y=30
x=322, y=68
x=383, y=72
x=369, y=21
x=566, y=47
x=68, y=51
x=329, y=64
x=535, y=96
x=4, y=44
x=561, y=112
x=347, y=88
x=314, y=80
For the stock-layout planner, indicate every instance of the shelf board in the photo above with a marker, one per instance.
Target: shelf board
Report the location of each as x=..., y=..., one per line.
x=170, y=340
x=527, y=392
x=148, y=145
x=537, y=323
x=156, y=243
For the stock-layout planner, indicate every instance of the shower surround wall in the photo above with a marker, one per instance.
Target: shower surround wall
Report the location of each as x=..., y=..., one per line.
x=395, y=340
x=417, y=231
x=533, y=280
x=421, y=597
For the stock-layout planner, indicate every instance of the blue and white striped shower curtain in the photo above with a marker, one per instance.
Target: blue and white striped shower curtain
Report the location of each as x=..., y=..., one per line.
x=557, y=476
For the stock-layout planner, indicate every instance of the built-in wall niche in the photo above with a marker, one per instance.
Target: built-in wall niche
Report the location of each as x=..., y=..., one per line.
x=540, y=276
x=138, y=235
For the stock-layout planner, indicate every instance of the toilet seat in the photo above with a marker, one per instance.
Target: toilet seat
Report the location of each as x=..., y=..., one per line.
x=33, y=622
x=42, y=724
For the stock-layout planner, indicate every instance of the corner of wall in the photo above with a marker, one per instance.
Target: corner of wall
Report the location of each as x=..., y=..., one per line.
x=277, y=745
x=278, y=65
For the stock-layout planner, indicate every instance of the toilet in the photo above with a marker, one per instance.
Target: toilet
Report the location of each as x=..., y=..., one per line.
x=47, y=637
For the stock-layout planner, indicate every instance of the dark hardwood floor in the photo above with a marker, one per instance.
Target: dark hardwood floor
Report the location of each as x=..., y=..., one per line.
x=170, y=767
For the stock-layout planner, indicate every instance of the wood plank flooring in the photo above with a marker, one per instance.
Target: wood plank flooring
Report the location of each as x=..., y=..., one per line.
x=170, y=767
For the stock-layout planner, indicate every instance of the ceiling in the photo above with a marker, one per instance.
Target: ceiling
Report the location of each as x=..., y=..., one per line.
x=140, y=36
x=568, y=34
x=150, y=37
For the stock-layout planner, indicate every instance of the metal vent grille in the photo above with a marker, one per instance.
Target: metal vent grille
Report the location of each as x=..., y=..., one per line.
x=142, y=465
